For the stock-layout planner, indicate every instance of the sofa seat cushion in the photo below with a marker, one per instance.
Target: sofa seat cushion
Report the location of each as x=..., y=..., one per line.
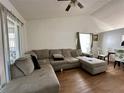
x=42, y=54
x=43, y=61
x=71, y=60
x=41, y=81
x=57, y=62
x=67, y=63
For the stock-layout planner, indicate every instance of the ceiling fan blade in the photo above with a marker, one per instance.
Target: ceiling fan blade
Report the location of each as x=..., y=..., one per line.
x=68, y=8
x=80, y=5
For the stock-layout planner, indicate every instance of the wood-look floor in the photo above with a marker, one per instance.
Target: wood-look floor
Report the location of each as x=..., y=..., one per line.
x=79, y=81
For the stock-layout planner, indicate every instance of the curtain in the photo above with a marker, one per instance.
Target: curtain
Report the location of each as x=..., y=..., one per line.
x=78, y=41
x=2, y=48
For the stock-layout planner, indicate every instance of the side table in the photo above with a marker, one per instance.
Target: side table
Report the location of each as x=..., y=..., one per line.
x=109, y=53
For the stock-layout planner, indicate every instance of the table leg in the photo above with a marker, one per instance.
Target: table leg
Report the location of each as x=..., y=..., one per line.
x=108, y=58
x=118, y=63
x=104, y=57
x=115, y=63
x=123, y=66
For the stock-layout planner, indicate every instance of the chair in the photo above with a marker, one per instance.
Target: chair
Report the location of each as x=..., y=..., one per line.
x=101, y=55
x=119, y=57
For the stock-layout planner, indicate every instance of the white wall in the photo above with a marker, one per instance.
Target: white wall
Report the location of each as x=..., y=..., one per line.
x=58, y=32
x=111, y=40
x=24, y=39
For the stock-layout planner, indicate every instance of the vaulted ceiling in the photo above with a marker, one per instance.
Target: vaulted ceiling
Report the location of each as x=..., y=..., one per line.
x=109, y=14
x=35, y=9
x=112, y=15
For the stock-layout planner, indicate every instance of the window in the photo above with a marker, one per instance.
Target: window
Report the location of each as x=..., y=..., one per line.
x=85, y=42
x=11, y=43
x=13, y=39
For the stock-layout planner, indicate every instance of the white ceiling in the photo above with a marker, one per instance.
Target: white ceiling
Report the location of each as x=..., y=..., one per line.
x=35, y=9
x=112, y=15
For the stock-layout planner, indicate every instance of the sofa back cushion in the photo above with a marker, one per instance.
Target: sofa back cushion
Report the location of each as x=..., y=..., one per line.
x=76, y=52
x=42, y=54
x=79, y=52
x=31, y=53
x=15, y=72
x=55, y=51
x=25, y=64
x=67, y=52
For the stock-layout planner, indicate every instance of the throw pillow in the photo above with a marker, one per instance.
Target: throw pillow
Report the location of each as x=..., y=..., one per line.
x=35, y=62
x=58, y=57
x=25, y=64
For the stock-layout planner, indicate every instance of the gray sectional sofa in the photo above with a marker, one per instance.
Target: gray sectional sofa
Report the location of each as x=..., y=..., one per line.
x=46, y=56
x=43, y=80
x=40, y=81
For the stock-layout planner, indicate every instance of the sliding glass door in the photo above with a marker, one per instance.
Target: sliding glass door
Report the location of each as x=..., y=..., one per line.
x=12, y=43
x=10, y=29
x=85, y=42
x=13, y=40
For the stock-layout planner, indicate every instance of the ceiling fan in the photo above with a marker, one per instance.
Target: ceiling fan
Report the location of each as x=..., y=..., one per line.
x=72, y=3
